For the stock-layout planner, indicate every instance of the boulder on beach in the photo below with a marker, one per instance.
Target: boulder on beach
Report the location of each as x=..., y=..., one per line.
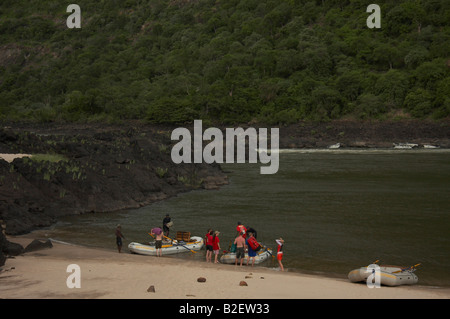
x=38, y=245
x=201, y=279
x=12, y=249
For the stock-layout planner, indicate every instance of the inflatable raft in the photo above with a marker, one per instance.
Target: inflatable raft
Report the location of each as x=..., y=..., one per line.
x=262, y=255
x=168, y=248
x=389, y=275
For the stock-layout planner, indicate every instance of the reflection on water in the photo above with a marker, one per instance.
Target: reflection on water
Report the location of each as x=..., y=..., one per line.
x=336, y=209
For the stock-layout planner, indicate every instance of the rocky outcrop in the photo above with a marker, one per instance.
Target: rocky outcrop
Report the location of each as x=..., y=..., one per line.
x=365, y=133
x=90, y=170
x=37, y=244
x=12, y=249
x=7, y=248
x=3, y=243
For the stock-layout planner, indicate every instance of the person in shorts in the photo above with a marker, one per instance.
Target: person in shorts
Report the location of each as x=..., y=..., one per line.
x=240, y=248
x=216, y=246
x=157, y=232
x=250, y=252
x=119, y=237
x=280, y=243
x=209, y=245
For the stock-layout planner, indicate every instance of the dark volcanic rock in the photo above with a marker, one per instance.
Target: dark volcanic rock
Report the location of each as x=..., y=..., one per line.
x=37, y=244
x=12, y=249
x=94, y=170
x=2, y=247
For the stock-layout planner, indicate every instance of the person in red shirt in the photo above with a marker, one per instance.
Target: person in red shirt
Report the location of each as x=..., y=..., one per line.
x=216, y=246
x=209, y=244
x=241, y=228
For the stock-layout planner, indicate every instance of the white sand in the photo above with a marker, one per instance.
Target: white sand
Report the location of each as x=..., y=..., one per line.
x=108, y=274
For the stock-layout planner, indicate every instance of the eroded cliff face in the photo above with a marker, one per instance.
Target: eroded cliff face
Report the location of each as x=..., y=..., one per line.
x=90, y=170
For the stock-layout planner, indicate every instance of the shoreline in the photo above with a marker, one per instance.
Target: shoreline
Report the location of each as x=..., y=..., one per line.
x=107, y=274
x=110, y=156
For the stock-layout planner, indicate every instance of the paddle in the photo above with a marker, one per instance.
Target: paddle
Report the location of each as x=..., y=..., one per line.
x=266, y=249
x=193, y=251
x=403, y=269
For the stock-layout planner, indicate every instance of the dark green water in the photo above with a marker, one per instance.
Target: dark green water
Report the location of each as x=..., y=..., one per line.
x=337, y=210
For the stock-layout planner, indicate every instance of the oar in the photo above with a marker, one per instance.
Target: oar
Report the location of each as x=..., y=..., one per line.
x=375, y=262
x=266, y=249
x=154, y=236
x=402, y=270
x=193, y=251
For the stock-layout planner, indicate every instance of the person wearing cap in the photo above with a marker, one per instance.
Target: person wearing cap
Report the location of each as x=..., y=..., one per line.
x=166, y=228
x=216, y=246
x=251, y=230
x=250, y=252
x=119, y=237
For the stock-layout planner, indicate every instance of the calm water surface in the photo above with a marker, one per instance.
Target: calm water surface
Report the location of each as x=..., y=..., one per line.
x=336, y=209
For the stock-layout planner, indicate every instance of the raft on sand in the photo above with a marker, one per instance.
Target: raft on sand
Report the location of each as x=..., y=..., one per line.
x=389, y=275
x=183, y=243
x=261, y=255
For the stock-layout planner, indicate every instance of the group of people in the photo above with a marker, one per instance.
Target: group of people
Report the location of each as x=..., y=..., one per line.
x=212, y=245
x=245, y=241
x=245, y=237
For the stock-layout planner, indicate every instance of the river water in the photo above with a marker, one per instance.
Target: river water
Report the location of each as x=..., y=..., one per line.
x=337, y=210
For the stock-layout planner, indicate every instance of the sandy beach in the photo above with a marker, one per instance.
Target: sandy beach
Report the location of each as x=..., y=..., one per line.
x=10, y=157
x=109, y=275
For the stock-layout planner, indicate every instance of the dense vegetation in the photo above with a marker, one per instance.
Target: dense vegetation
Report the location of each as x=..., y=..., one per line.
x=227, y=61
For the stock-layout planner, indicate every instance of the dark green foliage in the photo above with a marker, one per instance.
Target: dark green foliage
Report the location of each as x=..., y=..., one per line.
x=273, y=61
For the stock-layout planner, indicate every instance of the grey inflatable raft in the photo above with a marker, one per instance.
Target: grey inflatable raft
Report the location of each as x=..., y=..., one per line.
x=389, y=275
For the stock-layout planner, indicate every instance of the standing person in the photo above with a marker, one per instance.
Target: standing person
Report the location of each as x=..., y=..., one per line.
x=241, y=228
x=209, y=244
x=158, y=240
x=216, y=246
x=240, y=248
x=280, y=243
x=251, y=230
x=119, y=237
x=250, y=252
x=167, y=222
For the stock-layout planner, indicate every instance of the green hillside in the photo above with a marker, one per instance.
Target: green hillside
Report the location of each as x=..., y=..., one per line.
x=223, y=61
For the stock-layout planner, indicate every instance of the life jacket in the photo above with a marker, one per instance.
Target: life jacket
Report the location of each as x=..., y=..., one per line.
x=253, y=244
x=242, y=230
